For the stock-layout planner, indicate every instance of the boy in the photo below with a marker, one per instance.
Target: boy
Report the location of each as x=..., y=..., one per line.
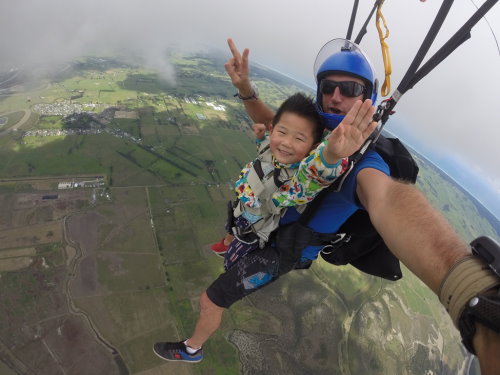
x=292, y=167
x=296, y=130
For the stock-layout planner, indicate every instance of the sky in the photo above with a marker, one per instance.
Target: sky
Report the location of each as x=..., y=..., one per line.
x=451, y=116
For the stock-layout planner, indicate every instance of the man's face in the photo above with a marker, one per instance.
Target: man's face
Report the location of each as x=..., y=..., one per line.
x=337, y=103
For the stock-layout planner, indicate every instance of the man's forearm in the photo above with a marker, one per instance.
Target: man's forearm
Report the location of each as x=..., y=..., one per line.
x=420, y=236
x=416, y=232
x=259, y=111
x=424, y=241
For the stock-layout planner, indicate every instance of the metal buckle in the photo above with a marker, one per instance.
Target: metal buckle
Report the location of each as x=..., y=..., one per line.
x=333, y=243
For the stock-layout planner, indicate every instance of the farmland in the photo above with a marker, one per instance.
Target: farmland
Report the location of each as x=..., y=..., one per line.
x=92, y=276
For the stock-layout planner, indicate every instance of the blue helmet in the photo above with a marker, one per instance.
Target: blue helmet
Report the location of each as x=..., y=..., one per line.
x=344, y=57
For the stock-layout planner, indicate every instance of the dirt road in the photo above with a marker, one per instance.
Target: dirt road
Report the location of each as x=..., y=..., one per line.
x=27, y=114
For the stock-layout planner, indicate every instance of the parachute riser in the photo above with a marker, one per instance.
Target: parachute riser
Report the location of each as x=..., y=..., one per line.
x=462, y=35
x=412, y=76
x=384, y=110
x=362, y=31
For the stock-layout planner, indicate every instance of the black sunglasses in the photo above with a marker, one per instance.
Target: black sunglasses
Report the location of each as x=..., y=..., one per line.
x=350, y=89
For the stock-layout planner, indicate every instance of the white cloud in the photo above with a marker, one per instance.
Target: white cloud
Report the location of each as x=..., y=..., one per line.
x=453, y=108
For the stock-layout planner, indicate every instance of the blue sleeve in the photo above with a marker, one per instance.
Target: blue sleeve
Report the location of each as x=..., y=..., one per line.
x=371, y=160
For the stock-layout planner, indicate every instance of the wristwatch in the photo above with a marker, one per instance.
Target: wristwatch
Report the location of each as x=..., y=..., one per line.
x=483, y=308
x=255, y=94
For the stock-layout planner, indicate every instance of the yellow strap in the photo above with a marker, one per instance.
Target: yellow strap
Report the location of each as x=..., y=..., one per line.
x=386, y=87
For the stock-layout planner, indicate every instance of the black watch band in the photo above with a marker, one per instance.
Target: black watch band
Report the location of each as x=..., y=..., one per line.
x=253, y=96
x=484, y=308
x=255, y=93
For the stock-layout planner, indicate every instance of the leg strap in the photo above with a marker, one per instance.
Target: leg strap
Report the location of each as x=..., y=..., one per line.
x=467, y=278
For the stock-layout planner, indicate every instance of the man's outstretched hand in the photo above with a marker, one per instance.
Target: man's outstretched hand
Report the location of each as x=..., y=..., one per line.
x=351, y=133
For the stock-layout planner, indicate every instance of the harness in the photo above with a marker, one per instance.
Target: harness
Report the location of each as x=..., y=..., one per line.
x=264, y=178
x=357, y=242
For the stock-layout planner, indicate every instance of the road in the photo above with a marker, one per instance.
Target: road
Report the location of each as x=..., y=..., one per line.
x=27, y=114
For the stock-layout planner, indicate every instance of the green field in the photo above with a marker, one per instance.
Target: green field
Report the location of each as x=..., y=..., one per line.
x=135, y=254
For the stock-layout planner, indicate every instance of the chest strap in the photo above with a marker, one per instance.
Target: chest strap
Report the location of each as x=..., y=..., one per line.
x=264, y=185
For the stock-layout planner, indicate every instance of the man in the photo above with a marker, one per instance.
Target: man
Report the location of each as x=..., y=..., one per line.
x=413, y=230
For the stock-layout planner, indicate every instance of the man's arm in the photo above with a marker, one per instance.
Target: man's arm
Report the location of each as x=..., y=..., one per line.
x=423, y=240
x=238, y=70
x=415, y=232
x=487, y=346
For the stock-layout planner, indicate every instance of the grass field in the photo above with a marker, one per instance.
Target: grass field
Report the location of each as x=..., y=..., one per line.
x=122, y=267
x=453, y=203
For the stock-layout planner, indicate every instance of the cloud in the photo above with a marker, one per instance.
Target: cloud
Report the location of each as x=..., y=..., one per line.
x=454, y=108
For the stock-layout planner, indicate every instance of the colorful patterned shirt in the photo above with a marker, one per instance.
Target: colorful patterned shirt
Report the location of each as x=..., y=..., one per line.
x=312, y=175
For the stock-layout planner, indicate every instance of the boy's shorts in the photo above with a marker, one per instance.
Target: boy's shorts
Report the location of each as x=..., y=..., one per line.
x=250, y=273
x=237, y=250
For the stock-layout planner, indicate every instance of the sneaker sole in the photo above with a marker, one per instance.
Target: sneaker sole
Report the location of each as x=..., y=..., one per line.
x=221, y=254
x=177, y=360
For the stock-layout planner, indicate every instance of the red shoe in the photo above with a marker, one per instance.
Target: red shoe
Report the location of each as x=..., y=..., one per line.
x=219, y=248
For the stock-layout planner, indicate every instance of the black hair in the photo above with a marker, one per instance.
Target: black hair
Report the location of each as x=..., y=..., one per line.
x=302, y=106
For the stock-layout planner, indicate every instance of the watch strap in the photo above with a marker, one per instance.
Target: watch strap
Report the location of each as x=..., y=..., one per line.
x=253, y=96
x=484, y=309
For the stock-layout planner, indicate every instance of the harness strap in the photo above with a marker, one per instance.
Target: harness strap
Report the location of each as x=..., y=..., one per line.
x=259, y=177
x=258, y=168
x=255, y=182
x=276, y=177
x=266, y=147
x=260, y=172
x=263, y=179
x=264, y=187
x=327, y=239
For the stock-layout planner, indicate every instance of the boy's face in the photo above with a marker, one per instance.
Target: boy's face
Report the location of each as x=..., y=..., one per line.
x=292, y=138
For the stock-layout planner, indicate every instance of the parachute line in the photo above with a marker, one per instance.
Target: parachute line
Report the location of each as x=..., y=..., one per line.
x=456, y=40
x=426, y=44
x=352, y=20
x=362, y=32
x=491, y=29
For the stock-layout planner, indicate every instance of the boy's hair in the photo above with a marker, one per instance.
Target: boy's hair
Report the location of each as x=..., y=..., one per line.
x=302, y=106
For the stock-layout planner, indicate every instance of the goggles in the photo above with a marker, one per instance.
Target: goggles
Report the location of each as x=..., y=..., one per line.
x=349, y=89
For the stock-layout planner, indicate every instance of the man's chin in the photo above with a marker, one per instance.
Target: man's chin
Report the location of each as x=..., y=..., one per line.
x=335, y=111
